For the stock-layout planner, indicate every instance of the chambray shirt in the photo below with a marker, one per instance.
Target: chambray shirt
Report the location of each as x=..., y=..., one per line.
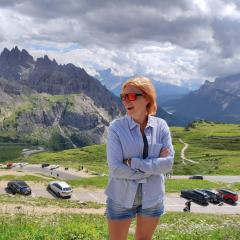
x=125, y=141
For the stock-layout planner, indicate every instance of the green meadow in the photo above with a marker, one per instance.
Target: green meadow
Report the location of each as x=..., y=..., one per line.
x=214, y=148
x=92, y=158
x=173, y=226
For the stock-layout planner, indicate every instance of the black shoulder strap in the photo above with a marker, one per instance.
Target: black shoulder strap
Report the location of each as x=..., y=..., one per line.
x=145, y=148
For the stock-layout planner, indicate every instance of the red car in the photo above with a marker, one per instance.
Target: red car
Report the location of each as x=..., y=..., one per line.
x=228, y=195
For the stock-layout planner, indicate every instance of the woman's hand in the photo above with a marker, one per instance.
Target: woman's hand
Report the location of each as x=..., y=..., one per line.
x=165, y=152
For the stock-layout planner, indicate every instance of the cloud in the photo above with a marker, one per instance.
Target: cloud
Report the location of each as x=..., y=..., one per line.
x=175, y=41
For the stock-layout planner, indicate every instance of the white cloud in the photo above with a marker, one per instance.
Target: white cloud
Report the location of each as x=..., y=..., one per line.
x=173, y=41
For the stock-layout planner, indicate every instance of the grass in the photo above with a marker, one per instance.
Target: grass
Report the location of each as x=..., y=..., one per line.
x=98, y=182
x=216, y=148
x=46, y=202
x=69, y=227
x=92, y=157
x=176, y=185
x=173, y=226
x=31, y=178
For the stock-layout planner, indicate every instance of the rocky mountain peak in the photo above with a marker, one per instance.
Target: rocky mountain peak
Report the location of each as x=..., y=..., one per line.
x=206, y=88
x=15, y=62
x=46, y=63
x=45, y=75
x=230, y=84
x=83, y=111
x=5, y=53
x=15, y=58
x=218, y=101
x=15, y=50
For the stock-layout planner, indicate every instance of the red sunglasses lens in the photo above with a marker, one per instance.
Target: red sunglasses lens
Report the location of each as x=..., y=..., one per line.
x=132, y=96
x=129, y=96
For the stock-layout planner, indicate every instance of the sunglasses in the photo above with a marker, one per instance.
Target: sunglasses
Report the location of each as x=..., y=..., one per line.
x=129, y=96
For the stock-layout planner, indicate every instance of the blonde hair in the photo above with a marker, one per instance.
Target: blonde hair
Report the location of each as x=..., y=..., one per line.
x=145, y=85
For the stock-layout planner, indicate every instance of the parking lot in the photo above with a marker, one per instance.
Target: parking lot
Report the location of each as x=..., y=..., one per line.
x=173, y=201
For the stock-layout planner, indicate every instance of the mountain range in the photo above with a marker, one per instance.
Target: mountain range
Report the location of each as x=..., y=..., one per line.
x=165, y=91
x=215, y=101
x=43, y=102
x=61, y=106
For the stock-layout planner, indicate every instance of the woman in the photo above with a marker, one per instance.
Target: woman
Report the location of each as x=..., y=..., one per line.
x=139, y=152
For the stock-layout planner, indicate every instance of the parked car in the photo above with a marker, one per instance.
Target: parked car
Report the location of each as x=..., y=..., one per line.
x=200, y=177
x=21, y=164
x=45, y=165
x=9, y=165
x=228, y=195
x=61, y=189
x=214, y=196
x=18, y=186
x=195, y=195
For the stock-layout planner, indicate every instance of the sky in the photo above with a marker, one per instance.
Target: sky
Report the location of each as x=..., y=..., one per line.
x=183, y=42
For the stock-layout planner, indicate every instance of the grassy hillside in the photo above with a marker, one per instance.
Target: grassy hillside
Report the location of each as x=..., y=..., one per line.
x=214, y=147
x=91, y=157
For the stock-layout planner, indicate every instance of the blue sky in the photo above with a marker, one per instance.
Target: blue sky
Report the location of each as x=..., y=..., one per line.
x=183, y=42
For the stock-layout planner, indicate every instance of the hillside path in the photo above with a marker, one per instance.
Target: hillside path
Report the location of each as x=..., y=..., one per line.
x=183, y=153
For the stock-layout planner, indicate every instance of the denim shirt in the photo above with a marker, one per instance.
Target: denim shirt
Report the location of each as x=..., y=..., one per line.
x=125, y=141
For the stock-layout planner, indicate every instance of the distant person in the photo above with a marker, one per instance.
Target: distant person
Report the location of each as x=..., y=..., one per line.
x=187, y=206
x=139, y=153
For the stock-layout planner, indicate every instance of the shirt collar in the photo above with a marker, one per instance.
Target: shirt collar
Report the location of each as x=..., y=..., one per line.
x=133, y=124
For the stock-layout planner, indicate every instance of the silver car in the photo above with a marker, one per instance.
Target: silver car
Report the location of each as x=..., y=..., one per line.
x=61, y=189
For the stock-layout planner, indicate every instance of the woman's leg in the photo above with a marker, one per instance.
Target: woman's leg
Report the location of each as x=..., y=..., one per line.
x=118, y=229
x=145, y=227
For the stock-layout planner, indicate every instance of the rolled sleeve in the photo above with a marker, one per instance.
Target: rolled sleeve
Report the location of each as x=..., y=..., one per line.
x=154, y=166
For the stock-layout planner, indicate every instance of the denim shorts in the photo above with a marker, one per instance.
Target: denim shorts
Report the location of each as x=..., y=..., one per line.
x=115, y=211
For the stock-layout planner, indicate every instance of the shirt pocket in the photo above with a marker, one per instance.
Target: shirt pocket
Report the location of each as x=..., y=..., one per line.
x=155, y=150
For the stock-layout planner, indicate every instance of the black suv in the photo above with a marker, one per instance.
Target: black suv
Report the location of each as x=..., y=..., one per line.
x=214, y=197
x=19, y=187
x=196, y=196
